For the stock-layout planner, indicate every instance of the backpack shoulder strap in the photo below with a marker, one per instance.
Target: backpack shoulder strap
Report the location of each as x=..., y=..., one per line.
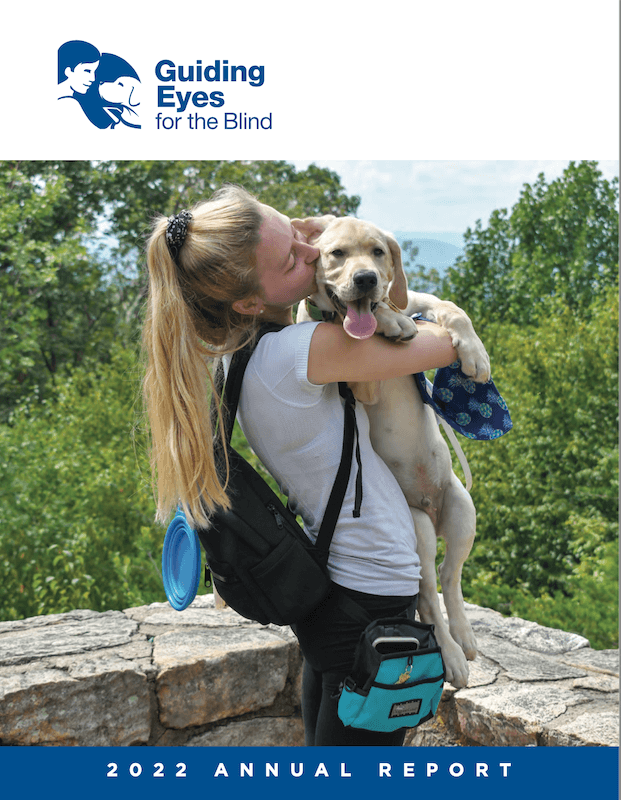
x=229, y=392
x=230, y=396
x=335, y=502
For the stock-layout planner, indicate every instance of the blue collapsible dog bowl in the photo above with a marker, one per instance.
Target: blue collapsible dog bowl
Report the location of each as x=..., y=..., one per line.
x=181, y=562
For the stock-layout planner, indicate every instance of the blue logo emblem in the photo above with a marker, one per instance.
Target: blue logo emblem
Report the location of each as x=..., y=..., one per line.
x=101, y=88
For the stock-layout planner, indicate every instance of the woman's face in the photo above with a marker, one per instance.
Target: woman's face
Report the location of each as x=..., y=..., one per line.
x=284, y=262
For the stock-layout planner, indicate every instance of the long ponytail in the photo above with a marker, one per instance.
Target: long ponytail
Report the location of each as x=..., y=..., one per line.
x=189, y=321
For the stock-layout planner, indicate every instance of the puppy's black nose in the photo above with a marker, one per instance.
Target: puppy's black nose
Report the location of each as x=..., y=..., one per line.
x=365, y=281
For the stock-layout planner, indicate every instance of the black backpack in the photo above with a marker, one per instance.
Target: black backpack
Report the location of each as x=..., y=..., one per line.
x=262, y=563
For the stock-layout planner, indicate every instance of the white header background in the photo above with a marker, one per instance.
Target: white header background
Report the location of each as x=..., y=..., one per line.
x=344, y=79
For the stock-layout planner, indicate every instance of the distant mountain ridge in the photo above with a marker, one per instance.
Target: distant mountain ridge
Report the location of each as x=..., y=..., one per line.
x=437, y=250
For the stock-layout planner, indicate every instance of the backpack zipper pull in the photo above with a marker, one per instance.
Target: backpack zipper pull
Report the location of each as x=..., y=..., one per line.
x=277, y=516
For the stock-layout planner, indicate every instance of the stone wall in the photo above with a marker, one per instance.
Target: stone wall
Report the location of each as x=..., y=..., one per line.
x=207, y=677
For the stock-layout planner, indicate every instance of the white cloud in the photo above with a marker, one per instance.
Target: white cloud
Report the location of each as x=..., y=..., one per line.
x=438, y=196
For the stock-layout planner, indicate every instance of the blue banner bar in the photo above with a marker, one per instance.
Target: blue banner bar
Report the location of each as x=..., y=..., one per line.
x=115, y=773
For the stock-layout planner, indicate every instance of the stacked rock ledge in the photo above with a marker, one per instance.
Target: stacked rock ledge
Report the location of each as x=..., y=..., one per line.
x=207, y=677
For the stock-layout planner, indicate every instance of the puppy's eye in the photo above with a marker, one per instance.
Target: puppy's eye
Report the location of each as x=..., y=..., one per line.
x=378, y=251
x=337, y=253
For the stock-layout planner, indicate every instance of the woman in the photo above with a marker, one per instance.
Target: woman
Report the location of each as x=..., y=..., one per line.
x=214, y=274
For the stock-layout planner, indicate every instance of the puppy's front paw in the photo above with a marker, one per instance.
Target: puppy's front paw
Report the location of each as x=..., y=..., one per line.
x=456, y=666
x=462, y=634
x=395, y=326
x=474, y=360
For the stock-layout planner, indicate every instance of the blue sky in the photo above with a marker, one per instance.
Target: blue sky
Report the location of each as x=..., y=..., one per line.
x=440, y=196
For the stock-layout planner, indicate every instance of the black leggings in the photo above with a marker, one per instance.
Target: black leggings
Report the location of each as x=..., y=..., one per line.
x=328, y=640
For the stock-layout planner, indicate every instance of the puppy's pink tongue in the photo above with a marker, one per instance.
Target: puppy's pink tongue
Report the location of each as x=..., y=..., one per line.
x=359, y=323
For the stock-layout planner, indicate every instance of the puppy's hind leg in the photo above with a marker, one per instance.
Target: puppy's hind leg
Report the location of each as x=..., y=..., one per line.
x=429, y=604
x=458, y=527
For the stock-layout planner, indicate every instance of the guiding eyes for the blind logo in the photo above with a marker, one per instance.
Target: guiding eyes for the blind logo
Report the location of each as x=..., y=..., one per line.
x=101, y=88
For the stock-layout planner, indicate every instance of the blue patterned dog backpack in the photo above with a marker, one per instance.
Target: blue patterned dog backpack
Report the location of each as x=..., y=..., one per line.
x=476, y=410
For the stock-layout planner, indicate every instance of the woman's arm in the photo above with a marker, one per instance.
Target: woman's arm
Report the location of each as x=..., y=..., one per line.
x=334, y=356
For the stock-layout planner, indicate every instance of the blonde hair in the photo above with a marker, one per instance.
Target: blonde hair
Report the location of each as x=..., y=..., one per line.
x=189, y=320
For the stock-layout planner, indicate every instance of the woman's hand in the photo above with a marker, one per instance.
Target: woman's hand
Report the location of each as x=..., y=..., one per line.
x=334, y=356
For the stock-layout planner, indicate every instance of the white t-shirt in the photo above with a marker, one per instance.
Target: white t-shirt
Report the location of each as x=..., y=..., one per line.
x=296, y=429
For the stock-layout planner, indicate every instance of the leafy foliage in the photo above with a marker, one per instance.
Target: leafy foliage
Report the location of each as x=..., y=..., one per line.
x=546, y=493
x=560, y=243
x=55, y=309
x=138, y=190
x=75, y=501
x=542, y=286
x=67, y=292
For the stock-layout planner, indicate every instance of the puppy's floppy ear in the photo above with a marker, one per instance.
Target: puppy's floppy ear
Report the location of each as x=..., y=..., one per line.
x=313, y=227
x=398, y=291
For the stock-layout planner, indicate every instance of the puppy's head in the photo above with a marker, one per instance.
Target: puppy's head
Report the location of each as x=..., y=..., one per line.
x=359, y=266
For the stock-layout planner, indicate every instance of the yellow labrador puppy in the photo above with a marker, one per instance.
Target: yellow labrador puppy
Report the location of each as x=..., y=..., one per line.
x=362, y=285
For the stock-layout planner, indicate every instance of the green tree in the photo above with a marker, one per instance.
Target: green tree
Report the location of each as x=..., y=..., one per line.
x=547, y=492
x=560, y=241
x=139, y=190
x=541, y=285
x=71, y=280
x=54, y=306
x=76, y=508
